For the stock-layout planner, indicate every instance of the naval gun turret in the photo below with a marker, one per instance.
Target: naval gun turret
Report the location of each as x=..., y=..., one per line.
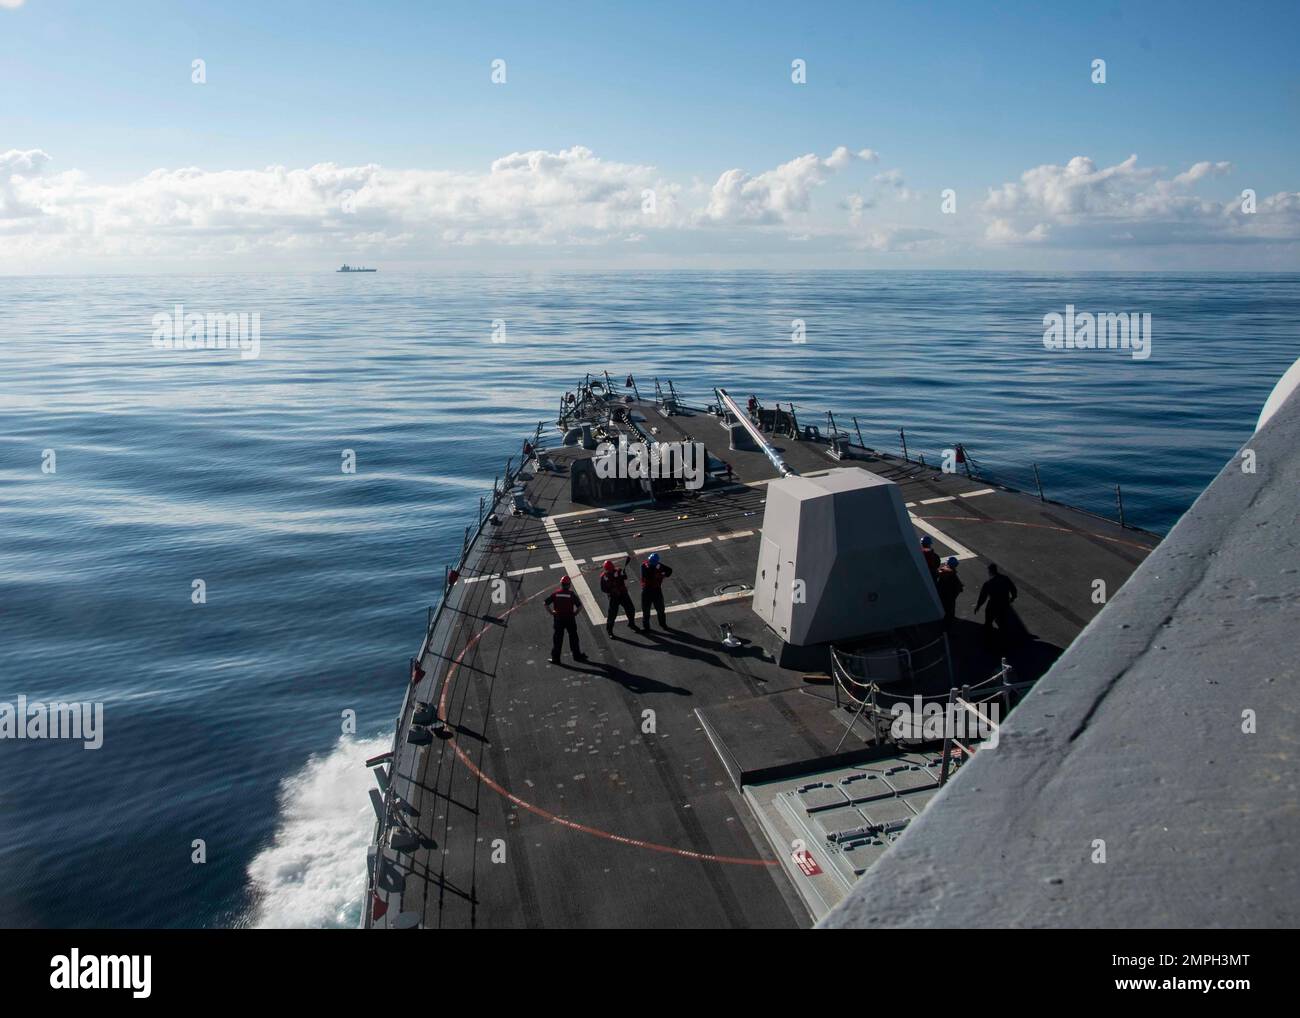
x=838, y=560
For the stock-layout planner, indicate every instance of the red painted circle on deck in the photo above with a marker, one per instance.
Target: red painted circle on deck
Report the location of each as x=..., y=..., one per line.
x=684, y=853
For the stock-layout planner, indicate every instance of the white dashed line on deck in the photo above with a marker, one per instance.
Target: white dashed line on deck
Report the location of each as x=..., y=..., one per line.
x=949, y=498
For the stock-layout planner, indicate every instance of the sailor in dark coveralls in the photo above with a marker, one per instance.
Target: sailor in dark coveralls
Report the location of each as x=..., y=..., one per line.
x=950, y=585
x=653, y=574
x=931, y=557
x=613, y=582
x=999, y=592
x=563, y=604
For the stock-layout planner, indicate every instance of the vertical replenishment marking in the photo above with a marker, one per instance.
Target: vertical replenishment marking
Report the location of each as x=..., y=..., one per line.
x=958, y=550
x=589, y=603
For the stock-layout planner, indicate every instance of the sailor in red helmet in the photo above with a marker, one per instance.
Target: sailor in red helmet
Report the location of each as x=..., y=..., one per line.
x=563, y=604
x=613, y=581
x=653, y=574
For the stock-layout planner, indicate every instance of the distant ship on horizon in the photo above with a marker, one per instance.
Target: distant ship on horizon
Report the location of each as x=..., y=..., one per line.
x=349, y=268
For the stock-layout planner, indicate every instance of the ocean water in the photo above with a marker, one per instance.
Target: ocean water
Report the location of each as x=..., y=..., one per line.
x=224, y=722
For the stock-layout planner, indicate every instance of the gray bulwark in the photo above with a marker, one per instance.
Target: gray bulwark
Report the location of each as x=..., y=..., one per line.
x=847, y=536
x=1135, y=739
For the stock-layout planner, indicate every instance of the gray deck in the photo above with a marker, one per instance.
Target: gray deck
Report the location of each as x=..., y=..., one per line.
x=603, y=824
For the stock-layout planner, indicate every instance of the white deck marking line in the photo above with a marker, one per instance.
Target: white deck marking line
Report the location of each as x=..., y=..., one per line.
x=520, y=572
x=622, y=507
x=949, y=498
x=692, y=544
x=589, y=604
x=647, y=551
x=959, y=550
x=558, y=565
x=734, y=595
x=732, y=537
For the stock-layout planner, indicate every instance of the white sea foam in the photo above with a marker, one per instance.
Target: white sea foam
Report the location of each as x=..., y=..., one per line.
x=314, y=873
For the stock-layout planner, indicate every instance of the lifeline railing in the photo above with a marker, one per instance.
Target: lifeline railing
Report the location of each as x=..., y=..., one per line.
x=964, y=702
x=868, y=696
x=853, y=670
x=390, y=807
x=785, y=423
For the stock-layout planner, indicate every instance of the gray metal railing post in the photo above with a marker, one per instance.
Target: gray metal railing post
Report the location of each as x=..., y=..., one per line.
x=903, y=438
x=1119, y=501
x=947, y=741
x=1038, y=481
x=859, y=431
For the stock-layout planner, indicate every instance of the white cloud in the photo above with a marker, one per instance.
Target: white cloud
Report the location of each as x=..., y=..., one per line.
x=526, y=197
x=1201, y=170
x=898, y=238
x=570, y=197
x=1000, y=231
x=774, y=196
x=575, y=199
x=1081, y=205
x=856, y=205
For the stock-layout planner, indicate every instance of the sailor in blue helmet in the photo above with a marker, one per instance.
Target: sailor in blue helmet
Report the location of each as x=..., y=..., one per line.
x=653, y=574
x=563, y=604
x=950, y=585
x=931, y=557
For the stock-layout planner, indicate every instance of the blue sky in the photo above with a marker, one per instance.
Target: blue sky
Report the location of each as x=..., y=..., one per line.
x=96, y=99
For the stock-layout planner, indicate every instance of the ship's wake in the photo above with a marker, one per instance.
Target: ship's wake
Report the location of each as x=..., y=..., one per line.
x=313, y=874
